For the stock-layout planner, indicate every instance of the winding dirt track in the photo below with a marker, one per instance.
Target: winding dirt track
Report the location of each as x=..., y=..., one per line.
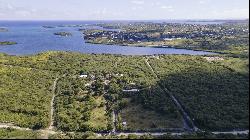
x=52, y=105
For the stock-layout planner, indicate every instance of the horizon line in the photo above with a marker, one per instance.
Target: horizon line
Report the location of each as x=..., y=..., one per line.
x=216, y=19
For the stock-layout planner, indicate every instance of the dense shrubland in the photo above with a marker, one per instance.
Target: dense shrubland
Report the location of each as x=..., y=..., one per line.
x=214, y=93
x=25, y=95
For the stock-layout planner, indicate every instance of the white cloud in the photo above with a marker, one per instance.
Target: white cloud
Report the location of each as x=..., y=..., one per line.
x=232, y=13
x=168, y=8
x=10, y=7
x=138, y=2
x=8, y=10
x=137, y=8
x=23, y=13
x=202, y=2
x=130, y=9
x=103, y=14
x=155, y=3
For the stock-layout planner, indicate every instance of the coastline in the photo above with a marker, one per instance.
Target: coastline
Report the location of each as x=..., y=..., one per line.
x=155, y=46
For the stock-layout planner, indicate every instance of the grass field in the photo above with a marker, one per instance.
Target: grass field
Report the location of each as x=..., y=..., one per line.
x=18, y=134
x=98, y=117
x=139, y=118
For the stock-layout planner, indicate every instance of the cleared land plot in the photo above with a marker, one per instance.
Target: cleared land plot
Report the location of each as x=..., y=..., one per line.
x=77, y=109
x=98, y=116
x=139, y=118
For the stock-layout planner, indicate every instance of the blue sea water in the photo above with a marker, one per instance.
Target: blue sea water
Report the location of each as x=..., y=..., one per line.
x=33, y=38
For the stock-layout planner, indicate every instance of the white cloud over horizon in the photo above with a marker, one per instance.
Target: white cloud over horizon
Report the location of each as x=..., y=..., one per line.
x=122, y=9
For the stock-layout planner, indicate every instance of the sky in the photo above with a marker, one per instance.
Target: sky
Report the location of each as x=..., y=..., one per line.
x=123, y=9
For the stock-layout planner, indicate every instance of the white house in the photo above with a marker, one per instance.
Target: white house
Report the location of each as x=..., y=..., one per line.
x=88, y=85
x=124, y=123
x=83, y=76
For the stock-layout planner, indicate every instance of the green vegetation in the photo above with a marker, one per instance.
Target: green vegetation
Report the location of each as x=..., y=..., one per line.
x=198, y=135
x=212, y=93
x=7, y=43
x=93, y=91
x=239, y=65
x=18, y=134
x=25, y=96
x=126, y=70
x=77, y=135
x=78, y=109
x=137, y=117
x=204, y=135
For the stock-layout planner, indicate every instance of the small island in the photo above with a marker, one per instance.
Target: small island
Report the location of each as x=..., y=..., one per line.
x=49, y=27
x=3, y=30
x=63, y=34
x=7, y=43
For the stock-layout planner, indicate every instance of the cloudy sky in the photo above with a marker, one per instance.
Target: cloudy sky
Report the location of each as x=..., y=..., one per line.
x=122, y=9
